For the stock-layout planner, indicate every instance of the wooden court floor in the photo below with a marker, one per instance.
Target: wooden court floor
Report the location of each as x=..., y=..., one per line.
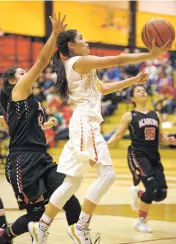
x=113, y=218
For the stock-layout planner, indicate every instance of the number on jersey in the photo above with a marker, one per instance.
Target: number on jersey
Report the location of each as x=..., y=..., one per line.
x=149, y=133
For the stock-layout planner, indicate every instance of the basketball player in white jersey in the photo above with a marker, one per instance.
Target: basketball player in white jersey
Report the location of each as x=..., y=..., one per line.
x=77, y=79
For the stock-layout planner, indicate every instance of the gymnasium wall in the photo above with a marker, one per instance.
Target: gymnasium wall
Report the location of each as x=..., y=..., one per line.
x=96, y=23
x=167, y=7
x=25, y=18
x=16, y=50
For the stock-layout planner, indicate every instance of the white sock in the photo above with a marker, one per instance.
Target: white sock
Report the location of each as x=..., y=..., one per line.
x=84, y=220
x=44, y=222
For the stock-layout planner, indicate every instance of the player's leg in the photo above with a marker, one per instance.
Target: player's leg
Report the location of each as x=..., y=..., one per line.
x=29, y=198
x=160, y=178
x=134, y=191
x=57, y=201
x=20, y=226
x=156, y=190
x=106, y=176
x=96, y=149
x=26, y=200
x=72, y=210
x=141, y=169
x=63, y=190
x=53, y=180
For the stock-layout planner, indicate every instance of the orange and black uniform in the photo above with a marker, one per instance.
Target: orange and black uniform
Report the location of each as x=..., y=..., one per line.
x=143, y=155
x=29, y=168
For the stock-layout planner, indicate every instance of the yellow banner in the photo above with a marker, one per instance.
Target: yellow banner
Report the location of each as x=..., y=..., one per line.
x=143, y=18
x=26, y=18
x=95, y=22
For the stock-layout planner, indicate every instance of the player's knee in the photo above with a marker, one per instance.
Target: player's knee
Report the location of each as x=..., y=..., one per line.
x=151, y=190
x=35, y=210
x=108, y=175
x=161, y=195
x=63, y=193
x=101, y=185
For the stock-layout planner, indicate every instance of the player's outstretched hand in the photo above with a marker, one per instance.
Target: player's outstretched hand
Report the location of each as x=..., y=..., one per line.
x=172, y=140
x=58, y=25
x=158, y=51
x=142, y=78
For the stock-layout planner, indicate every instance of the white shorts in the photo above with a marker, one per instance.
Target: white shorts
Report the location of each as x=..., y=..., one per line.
x=85, y=143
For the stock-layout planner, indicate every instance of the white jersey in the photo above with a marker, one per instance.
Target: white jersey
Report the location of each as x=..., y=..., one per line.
x=85, y=140
x=85, y=96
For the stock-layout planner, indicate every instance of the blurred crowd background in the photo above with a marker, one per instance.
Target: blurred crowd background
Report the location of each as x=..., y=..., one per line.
x=20, y=45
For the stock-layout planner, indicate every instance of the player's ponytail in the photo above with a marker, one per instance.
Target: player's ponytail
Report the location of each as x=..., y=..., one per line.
x=62, y=49
x=61, y=83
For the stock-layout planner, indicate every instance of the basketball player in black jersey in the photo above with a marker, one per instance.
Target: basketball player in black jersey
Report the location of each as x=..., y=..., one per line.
x=143, y=157
x=29, y=168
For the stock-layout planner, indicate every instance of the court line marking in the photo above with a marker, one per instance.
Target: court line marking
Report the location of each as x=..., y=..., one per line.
x=159, y=239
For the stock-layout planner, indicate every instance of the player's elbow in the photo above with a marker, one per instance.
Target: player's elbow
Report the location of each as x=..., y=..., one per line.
x=105, y=89
x=43, y=61
x=104, y=92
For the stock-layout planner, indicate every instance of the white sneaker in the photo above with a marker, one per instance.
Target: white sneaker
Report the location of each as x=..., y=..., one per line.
x=141, y=225
x=79, y=236
x=134, y=198
x=38, y=236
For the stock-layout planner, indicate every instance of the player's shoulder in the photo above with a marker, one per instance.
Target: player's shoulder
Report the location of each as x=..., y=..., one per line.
x=127, y=116
x=155, y=113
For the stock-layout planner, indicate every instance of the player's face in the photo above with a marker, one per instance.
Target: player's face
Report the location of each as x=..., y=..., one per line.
x=19, y=73
x=80, y=46
x=140, y=95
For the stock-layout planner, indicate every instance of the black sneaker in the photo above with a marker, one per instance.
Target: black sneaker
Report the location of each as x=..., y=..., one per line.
x=4, y=238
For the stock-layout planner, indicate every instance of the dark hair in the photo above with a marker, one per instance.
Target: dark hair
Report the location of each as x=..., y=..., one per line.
x=62, y=47
x=133, y=89
x=131, y=93
x=6, y=90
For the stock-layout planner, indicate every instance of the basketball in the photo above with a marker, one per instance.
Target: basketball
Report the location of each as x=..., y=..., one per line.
x=160, y=30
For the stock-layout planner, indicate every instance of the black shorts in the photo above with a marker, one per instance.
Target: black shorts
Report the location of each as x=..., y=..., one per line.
x=32, y=174
x=145, y=162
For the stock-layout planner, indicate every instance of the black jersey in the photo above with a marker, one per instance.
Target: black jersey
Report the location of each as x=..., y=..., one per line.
x=25, y=119
x=144, y=129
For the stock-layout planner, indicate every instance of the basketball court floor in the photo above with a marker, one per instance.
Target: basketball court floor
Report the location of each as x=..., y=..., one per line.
x=113, y=218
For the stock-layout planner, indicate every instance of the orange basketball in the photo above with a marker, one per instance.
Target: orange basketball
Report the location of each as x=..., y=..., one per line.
x=160, y=30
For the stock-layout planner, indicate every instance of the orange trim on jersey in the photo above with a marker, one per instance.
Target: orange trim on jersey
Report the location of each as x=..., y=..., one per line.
x=98, y=86
x=93, y=141
x=82, y=137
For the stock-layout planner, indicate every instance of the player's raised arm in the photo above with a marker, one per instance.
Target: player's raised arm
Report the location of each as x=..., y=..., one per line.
x=21, y=89
x=86, y=63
